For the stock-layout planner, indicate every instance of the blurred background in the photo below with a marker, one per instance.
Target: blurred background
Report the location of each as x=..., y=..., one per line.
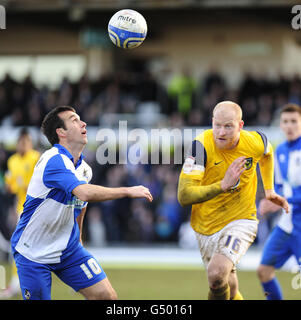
x=197, y=53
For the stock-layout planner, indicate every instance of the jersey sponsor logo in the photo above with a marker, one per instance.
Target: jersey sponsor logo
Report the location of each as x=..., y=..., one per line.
x=76, y=203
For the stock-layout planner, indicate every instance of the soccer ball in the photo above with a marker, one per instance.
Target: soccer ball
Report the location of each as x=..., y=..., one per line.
x=127, y=29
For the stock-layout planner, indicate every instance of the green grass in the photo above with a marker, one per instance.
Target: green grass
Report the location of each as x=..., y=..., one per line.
x=140, y=283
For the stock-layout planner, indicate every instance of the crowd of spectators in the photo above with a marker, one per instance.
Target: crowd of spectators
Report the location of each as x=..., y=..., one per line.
x=185, y=102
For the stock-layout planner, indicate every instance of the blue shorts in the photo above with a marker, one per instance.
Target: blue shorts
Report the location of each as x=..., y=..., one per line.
x=79, y=270
x=279, y=247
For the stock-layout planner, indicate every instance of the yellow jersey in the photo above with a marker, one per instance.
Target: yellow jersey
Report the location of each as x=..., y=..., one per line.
x=20, y=170
x=210, y=167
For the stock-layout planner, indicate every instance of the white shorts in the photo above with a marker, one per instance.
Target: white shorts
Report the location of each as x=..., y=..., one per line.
x=232, y=241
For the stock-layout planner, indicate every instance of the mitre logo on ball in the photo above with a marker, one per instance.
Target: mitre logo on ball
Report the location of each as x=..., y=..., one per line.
x=127, y=29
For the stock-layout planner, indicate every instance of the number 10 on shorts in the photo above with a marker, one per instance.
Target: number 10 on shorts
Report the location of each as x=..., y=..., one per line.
x=233, y=243
x=94, y=266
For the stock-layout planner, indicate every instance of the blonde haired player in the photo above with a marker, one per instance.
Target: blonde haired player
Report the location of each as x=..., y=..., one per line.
x=219, y=180
x=20, y=168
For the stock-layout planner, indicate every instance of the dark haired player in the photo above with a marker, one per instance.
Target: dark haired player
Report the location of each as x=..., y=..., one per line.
x=285, y=239
x=47, y=237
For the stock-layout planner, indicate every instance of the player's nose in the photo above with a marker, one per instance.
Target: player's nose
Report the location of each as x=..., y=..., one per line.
x=222, y=131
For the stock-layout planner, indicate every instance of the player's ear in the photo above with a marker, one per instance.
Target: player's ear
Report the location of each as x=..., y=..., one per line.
x=241, y=124
x=60, y=132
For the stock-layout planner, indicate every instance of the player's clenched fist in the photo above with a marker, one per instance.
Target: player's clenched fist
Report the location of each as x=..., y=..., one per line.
x=236, y=168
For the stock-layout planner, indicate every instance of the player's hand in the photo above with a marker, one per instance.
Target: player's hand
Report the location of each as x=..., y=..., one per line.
x=140, y=192
x=277, y=199
x=233, y=173
x=266, y=206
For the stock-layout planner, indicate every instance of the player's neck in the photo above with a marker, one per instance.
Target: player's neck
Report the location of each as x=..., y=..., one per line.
x=235, y=144
x=75, y=150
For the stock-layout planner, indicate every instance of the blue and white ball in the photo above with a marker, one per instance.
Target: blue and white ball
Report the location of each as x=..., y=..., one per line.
x=127, y=29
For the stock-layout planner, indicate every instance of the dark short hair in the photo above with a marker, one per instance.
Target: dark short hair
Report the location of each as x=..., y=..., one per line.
x=23, y=133
x=291, y=107
x=52, y=121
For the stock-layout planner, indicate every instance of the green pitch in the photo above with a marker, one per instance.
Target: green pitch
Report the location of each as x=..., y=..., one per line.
x=136, y=283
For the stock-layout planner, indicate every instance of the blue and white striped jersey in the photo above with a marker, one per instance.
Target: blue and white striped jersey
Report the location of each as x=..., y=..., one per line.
x=288, y=183
x=47, y=230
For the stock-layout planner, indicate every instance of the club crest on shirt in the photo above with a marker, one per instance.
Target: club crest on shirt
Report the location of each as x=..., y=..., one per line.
x=248, y=164
x=85, y=174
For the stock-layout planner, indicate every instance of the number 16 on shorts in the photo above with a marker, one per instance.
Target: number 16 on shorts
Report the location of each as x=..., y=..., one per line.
x=93, y=265
x=233, y=244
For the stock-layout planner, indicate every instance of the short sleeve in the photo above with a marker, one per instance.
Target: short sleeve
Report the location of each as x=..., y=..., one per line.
x=59, y=174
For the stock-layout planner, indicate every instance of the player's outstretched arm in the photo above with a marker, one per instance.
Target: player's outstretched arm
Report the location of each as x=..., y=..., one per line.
x=95, y=193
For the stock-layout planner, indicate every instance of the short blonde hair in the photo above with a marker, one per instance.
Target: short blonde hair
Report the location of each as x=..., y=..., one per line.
x=231, y=105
